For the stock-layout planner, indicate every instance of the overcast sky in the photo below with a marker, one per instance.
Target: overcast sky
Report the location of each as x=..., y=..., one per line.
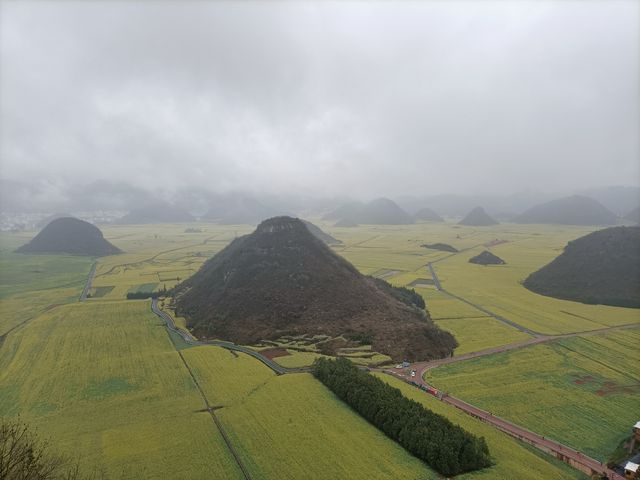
x=363, y=98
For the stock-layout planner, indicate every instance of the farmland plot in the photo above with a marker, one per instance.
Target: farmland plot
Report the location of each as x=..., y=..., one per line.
x=582, y=391
x=104, y=381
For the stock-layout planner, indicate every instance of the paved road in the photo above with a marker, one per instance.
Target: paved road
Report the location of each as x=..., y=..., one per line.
x=422, y=367
x=500, y=318
x=188, y=338
x=436, y=281
x=87, y=285
x=566, y=454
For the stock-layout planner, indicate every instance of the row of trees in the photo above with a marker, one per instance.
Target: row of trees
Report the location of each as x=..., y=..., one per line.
x=405, y=295
x=141, y=295
x=445, y=447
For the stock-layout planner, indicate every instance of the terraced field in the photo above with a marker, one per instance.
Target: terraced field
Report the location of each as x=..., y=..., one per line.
x=582, y=391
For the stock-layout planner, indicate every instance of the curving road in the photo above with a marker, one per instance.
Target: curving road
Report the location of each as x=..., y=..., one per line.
x=566, y=454
x=170, y=324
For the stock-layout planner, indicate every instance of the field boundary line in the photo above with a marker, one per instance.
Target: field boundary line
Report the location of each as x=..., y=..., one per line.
x=216, y=420
x=500, y=318
x=150, y=259
x=621, y=372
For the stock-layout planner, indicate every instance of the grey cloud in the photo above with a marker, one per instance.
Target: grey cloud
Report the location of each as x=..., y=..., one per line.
x=364, y=99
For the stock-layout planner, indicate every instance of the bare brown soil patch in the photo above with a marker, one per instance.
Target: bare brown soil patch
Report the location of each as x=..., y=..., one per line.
x=583, y=379
x=272, y=353
x=612, y=388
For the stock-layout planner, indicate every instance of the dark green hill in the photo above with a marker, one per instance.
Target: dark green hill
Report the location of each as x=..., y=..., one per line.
x=574, y=210
x=487, y=258
x=157, y=213
x=427, y=215
x=317, y=232
x=70, y=235
x=46, y=221
x=478, y=218
x=443, y=247
x=601, y=267
x=281, y=280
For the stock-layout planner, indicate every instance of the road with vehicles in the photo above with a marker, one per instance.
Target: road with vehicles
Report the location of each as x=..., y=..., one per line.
x=568, y=455
x=564, y=453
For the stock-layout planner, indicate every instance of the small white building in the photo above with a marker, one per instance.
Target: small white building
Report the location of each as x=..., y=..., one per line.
x=631, y=471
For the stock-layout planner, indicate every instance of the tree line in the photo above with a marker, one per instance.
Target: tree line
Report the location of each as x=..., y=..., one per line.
x=445, y=447
x=407, y=296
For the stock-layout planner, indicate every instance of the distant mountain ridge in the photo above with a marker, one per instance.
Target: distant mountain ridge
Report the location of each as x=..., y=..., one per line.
x=239, y=210
x=380, y=211
x=478, y=218
x=427, y=215
x=574, y=210
x=157, y=213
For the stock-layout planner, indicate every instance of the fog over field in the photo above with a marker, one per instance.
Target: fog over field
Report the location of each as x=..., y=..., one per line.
x=360, y=99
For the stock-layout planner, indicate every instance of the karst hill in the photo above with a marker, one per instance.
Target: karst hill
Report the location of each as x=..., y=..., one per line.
x=574, y=210
x=70, y=235
x=486, y=258
x=478, y=218
x=601, y=267
x=427, y=215
x=281, y=280
x=380, y=211
x=320, y=234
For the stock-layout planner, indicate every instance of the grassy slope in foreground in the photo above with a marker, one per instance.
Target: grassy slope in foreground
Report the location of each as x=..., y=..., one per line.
x=557, y=390
x=512, y=458
x=103, y=381
x=292, y=427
